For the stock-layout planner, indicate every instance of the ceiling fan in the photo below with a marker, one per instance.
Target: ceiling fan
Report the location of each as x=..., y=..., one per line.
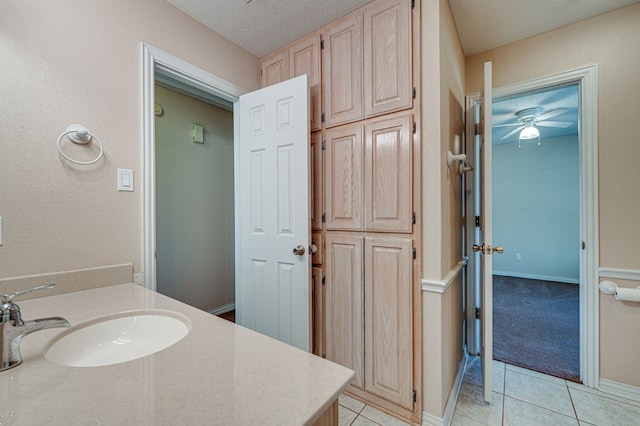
x=529, y=119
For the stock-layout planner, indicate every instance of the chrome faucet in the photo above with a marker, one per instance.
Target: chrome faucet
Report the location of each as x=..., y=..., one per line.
x=13, y=328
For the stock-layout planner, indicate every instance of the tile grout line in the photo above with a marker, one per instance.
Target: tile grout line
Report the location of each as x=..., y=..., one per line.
x=573, y=405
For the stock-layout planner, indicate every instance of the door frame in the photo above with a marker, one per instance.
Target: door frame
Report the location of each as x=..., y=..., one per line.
x=587, y=79
x=155, y=61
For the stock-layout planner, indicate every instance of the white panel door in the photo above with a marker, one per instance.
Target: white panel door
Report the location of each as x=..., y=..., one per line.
x=272, y=282
x=486, y=307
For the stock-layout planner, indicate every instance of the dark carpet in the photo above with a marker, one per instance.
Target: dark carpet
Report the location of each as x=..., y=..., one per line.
x=536, y=325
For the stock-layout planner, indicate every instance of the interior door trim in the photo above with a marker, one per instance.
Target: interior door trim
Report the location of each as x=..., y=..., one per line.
x=155, y=61
x=587, y=78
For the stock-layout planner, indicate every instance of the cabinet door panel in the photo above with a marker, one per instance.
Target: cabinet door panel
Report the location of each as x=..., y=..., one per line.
x=343, y=178
x=318, y=257
x=342, y=67
x=344, y=309
x=318, y=310
x=304, y=58
x=387, y=57
x=388, y=319
x=388, y=174
x=274, y=68
x=316, y=181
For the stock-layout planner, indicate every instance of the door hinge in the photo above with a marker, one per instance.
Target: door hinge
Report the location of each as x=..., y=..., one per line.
x=415, y=396
x=413, y=218
x=476, y=129
x=321, y=44
x=414, y=252
x=260, y=71
x=477, y=221
x=413, y=6
x=583, y=245
x=324, y=356
x=413, y=93
x=477, y=313
x=324, y=280
x=324, y=145
x=324, y=218
x=322, y=117
x=414, y=128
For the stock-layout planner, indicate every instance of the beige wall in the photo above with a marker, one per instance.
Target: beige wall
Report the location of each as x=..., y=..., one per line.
x=72, y=61
x=442, y=103
x=611, y=42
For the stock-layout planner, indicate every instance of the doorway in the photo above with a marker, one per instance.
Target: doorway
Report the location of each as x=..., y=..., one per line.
x=586, y=80
x=194, y=198
x=536, y=218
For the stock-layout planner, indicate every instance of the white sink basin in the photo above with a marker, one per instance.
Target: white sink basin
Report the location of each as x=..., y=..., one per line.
x=117, y=338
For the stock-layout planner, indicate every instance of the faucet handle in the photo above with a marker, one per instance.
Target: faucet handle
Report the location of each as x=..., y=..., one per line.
x=7, y=298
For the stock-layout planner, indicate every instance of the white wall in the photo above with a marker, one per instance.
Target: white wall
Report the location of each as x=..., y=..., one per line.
x=536, y=210
x=194, y=202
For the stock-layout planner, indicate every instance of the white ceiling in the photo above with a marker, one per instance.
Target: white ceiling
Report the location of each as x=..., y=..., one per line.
x=262, y=26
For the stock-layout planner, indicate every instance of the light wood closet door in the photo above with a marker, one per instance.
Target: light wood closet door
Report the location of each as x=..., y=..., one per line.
x=342, y=71
x=388, y=319
x=304, y=58
x=387, y=57
x=343, y=178
x=274, y=68
x=316, y=181
x=344, y=298
x=318, y=310
x=388, y=174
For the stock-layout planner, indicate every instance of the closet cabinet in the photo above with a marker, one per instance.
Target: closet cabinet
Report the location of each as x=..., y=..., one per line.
x=367, y=63
x=368, y=175
x=368, y=312
x=388, y=85
x=316, y=181
x=301, y=57
x=274, y=68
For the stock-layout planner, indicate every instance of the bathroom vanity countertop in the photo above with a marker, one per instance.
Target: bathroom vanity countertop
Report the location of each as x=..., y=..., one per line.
x=219, y=374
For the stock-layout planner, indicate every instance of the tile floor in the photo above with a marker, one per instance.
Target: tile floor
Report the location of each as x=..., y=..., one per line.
x=521, y=398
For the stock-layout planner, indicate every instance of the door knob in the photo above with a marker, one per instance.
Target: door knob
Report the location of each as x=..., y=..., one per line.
x=299, y=250
x=498, y=249
x=478, y=248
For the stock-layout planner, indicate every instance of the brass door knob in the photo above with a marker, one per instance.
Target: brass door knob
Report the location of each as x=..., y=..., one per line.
x=498, y=249
x=299, y=250
x=478, y=248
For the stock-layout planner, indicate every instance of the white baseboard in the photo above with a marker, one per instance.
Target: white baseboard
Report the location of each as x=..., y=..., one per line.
x=445, y=420
x=223, y=309
x=620, y=389
x=537, y=277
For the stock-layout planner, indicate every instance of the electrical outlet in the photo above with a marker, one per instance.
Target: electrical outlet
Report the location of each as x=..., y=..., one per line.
x=518, y=257
x=138, y=278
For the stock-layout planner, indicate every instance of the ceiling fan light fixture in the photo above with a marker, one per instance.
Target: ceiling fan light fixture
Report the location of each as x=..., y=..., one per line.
x=529, y=132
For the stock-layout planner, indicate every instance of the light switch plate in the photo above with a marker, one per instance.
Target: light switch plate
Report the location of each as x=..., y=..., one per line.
x=125, y=180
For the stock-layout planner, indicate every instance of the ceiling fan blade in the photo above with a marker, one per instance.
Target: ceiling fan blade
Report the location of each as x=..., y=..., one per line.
x=507, y=125
x=513, y=132
x=560, y=124
x=551, y=114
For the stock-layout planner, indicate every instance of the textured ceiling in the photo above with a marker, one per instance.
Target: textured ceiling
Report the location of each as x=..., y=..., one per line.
x=504, y=112
x=486, y=24
x=262, y=26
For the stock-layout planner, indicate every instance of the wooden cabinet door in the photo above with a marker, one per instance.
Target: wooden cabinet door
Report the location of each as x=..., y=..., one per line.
x=344, y=303
x=274, y=68
x=342, y=71
x=388, y=174
x=316, y=181
x=304, y=58
x=343, y=178
x=318, y=296
x=389, y=319
x=387, y=57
